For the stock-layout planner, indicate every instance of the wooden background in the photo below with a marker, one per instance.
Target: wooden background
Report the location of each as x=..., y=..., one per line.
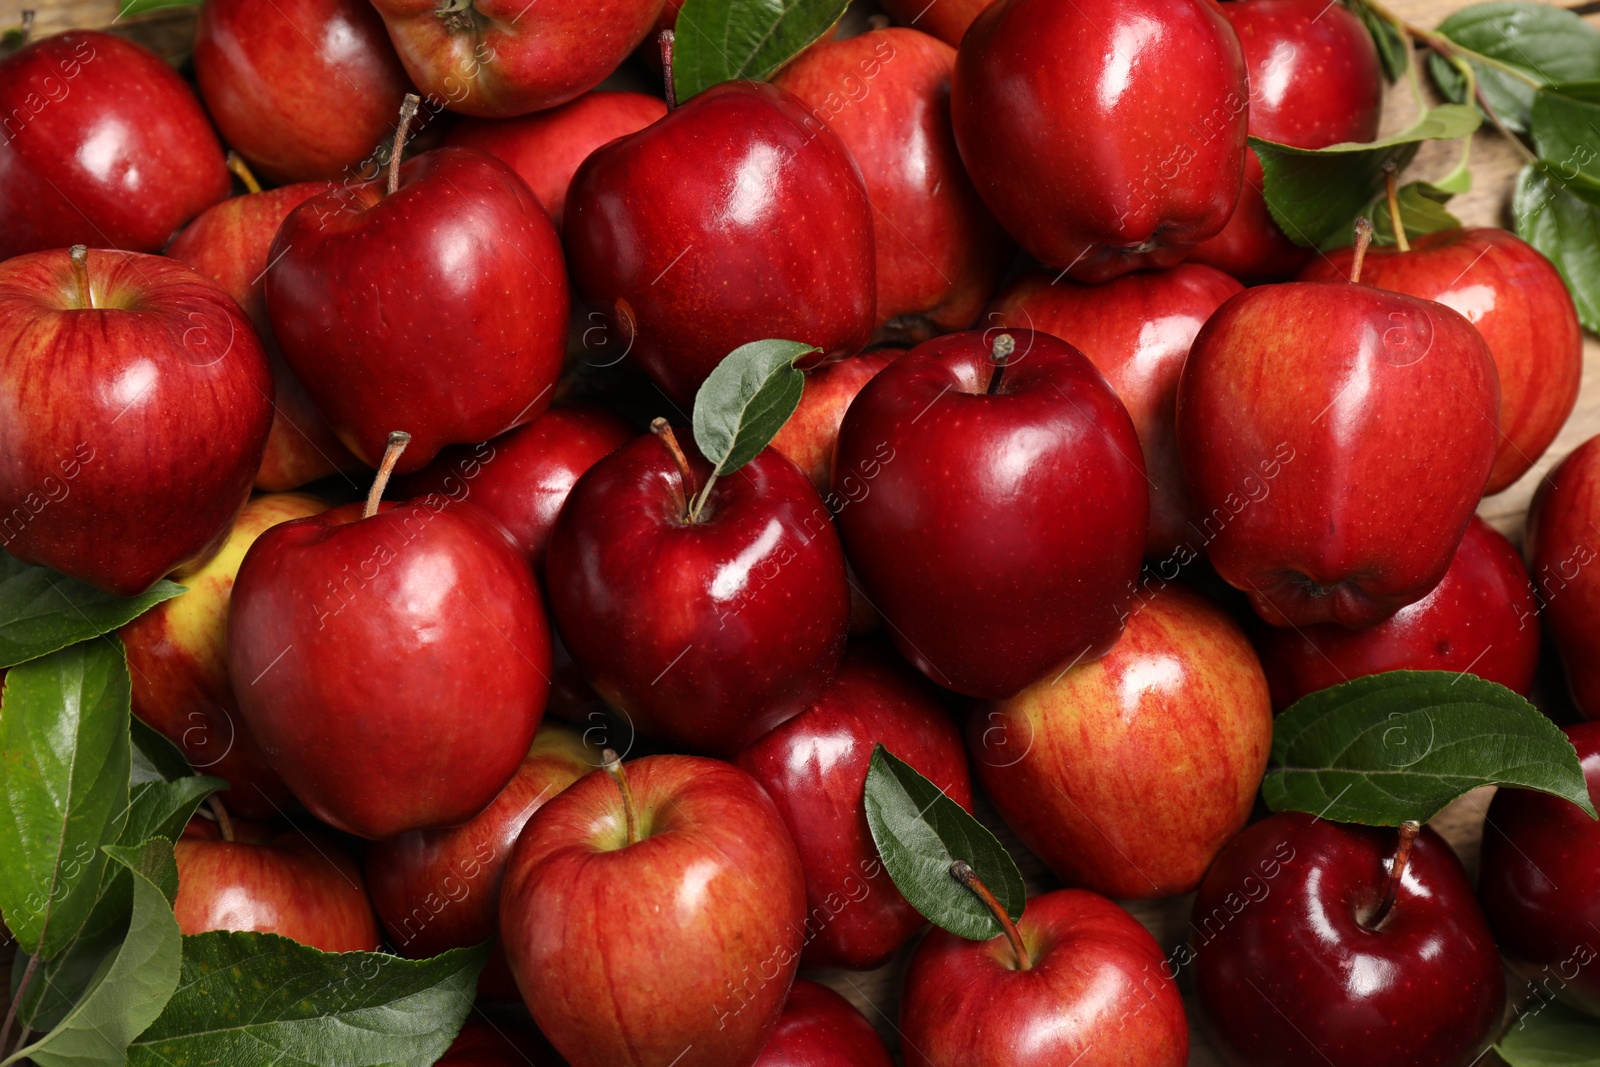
x=1494, y=163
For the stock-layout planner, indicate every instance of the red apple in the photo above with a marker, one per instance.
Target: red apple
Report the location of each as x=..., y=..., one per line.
x=1004, y=513
x=1562, y=541
x=137, y=402
x=947, y=19
x=1482, y=617
x=819, y=1028
x=706, y=632
x=298, y=883
x=886, y=93
x=300, y=88
x=1306, y=950
x=812, y=431
x=509, y=57
x=104, y=145
x=497, y=1044
x=1096, y=992
x=1314, y=81
x=1518, y=302
x=814, y=767
x=230, y=243
x=658, y=927
x=439, y=308
x=1104, y=139
x=523, y=477
x=546, y=147
x=1336, y=439
x=688, y=231
x=1137, y=329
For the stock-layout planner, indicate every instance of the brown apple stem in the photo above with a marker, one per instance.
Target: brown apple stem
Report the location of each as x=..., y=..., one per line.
x=224, y=821
x=242, y=171
x=667, y=38
x=1000, y=352
x=391, y=455
x=408, y=111
x=687, y=489
x=1392, y=189
x=969, y=878
x=613, y=766
x=1363, y=239
x=1397, y=871
x=80, y=271
x=24, y=35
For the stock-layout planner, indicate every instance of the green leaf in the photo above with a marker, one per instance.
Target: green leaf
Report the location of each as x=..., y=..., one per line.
x=260, y=998
x=746, y=400
x=1514, y=48
x=720, y=40
x=920, y=832
x=1422, y=210
x=1314, y=194
x=1403, y=744
x=130, y=989
x=1392, y=50
x=42, y=611
x=155, y=759
x=64, y=769
x=1565, y=127
x=139, y=7
x=1548, y=1034
x=1561, y=218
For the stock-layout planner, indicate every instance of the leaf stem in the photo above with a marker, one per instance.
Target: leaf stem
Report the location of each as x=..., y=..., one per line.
x=16, y=1002
x=391, y=455
x=408, y=111
x=242, y=171
x=1363, y=239
x=969, y=878
x=80, y=272
x=1392, y=191
x=666, y=40
x=1442, y=44
x=1000, y=353
x=692, y=500
x=613, y=767
x=1397, y=871
x=224, y=821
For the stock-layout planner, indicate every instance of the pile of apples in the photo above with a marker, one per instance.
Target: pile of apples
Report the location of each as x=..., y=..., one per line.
x=1042, y=416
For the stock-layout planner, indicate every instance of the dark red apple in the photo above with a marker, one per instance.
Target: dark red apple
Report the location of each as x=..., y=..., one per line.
x=658, y=926
x=137, y=402
x=301, y=89
x=523, y=477
x=814, y=767
x=104, y=145
x=1514, y=296
x=1481, y=618
x=1104, y=138
x=439, y=308
x=1307, y=950
x=1137, y=329
x=706, y=632
x=497, y=1044
x=947, y=19
x=886, y=93
x=1004, y=514
x=1314, y=81
x=819, y=1028
x=686, y=232
x=811, y=432
x=1562, y=542
x=546, y=147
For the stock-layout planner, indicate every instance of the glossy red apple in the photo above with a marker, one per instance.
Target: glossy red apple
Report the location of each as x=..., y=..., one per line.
x=497, y=1044
x=685, y=231
x=947, y=19
x=301, y=89
x=523, y=477
x=1518, y=302
x=1301, y=956
x=136, y=404
x=1004, y=514
x=886, y=93
x=814, y=767
x=1563, y=542
x=510, y=57
x=230, y=242
x=819, y=1028
x=1315, y=80
x=105, y=145
x=1104, y=139
x=1305, y=413
x=1127, y=775
x=546, y=147
x=460, y=325
x=707, y=632
x=1481, y=618
x=1137, y=329
x=298, y=883
x=1539, y=881
x=812, y=431
x=664, y=925
x=1096, y=992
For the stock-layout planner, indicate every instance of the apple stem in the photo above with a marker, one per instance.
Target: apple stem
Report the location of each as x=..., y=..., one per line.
x=667, y=38
x=224, y=822
x=1363, y=239
x=1000, y=352
x=80, y=271
x=391, y=455
x=408, y=111
x=969, y=878
x=613, y=766
x=25, y=32
x=1397, y=871
x=1391, y=189
x=242, y=171
x=692, y=499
